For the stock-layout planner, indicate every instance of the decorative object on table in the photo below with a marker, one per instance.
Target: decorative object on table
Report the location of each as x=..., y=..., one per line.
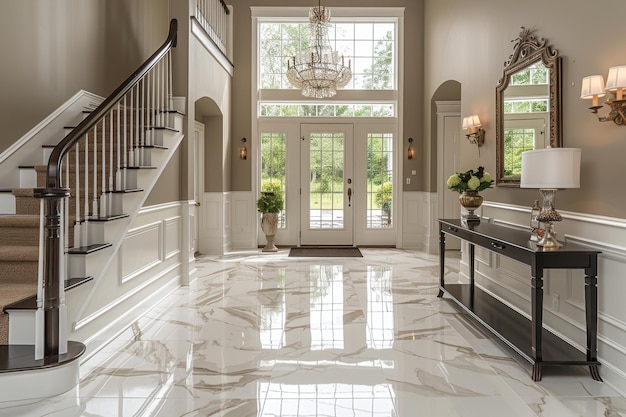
x=269, y=205
x=535, y=226
x=317, y=70
x=469, y=184
x=548, y=170
x=593, y=87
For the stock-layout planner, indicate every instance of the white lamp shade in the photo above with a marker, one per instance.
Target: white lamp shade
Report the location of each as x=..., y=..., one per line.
x=616, y=78
x=551, y=168
x=470, y=122
x=593, y=85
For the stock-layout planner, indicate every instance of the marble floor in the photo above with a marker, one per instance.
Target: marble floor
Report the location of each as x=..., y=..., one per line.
x=266, y=335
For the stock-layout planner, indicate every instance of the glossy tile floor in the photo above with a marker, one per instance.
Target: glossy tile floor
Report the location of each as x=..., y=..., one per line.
x=266, y=335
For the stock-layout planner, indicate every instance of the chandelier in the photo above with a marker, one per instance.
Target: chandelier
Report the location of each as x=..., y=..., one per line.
x=318, y=71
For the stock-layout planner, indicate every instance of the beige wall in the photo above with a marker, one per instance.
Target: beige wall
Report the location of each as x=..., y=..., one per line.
x=469, y=42
x=50, y=50
x=413, y=104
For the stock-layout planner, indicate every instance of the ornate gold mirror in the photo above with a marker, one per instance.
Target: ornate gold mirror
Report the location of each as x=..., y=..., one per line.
x=528, y=105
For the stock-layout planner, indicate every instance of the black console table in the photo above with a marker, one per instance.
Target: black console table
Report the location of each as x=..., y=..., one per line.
x=526, y=336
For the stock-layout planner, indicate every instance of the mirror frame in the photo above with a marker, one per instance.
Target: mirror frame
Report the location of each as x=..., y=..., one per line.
x=528, y=50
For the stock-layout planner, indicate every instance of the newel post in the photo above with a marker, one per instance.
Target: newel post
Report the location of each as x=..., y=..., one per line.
x=49, y=303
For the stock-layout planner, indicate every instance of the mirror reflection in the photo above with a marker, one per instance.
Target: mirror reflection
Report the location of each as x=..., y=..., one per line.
x=528, y=106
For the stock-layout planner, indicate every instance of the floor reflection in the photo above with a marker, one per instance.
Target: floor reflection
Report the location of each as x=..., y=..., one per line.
x=266, y=335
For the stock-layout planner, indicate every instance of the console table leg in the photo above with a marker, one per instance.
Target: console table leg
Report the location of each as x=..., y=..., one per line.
x=591, y=314
x=442, y=260
x=536, y=372
x=536, y=297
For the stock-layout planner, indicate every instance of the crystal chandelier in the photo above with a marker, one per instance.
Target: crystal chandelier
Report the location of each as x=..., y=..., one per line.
x=318, y=71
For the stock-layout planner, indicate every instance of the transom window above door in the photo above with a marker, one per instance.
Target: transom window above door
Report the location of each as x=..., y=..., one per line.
x=370, y=48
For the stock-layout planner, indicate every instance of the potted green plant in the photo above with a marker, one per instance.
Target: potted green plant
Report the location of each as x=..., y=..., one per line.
x=383, y=198
x=269, y=205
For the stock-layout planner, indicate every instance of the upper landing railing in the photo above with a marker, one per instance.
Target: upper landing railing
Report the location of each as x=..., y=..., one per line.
x=215, y=17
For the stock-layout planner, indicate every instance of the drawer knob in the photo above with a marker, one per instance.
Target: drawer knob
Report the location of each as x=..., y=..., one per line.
x=497, y=245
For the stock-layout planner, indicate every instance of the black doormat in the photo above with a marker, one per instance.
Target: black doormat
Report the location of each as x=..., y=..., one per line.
x=326, y=251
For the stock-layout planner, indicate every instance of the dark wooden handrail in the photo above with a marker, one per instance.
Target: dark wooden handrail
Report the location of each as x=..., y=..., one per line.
x=53, y=173
x=225, y=7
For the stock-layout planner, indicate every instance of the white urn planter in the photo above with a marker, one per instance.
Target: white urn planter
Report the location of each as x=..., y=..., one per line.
x=269, y=225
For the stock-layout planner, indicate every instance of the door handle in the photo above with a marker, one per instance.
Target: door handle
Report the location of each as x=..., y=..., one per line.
x=349, y=197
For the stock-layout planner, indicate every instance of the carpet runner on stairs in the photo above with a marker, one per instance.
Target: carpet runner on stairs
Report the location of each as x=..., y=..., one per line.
x=19, y=239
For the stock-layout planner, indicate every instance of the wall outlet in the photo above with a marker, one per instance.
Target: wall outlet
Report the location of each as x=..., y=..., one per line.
x=555, y=302
x=408, y=180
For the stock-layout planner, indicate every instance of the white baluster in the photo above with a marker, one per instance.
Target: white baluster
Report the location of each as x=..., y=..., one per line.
x=103, y=195
x=94, y=192
x=118, y=172
x=110, y=189
x=129, y=127
x=77, y=225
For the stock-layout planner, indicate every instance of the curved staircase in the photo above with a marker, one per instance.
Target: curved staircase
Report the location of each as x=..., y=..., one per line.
x=98, y=177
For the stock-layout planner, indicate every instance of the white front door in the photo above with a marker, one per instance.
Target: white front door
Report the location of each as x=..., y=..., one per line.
x=327, y=184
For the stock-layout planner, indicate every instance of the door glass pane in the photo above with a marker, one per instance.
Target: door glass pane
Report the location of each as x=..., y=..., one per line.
x=326, y=154
x=379, y=180
x=274, y=167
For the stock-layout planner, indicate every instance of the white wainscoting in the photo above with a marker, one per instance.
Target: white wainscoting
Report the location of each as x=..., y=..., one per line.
x=172, y=240
x=215, y=223
x=419, y=212
x=564, y=289
x=146, y=269
x=141, y=250
x=244, y=220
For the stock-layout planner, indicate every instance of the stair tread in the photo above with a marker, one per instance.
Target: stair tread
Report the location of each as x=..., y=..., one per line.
x=83, y=250
x=30, y=302
x=19, y=220
x=108, y=218
x=18, y=253
x=22, y=192
x=14, y=358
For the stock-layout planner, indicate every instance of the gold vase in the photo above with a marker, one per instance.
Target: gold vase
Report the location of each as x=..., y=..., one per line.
x=471, y=200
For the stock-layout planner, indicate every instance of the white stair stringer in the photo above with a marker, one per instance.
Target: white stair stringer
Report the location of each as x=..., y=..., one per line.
x=96, y=304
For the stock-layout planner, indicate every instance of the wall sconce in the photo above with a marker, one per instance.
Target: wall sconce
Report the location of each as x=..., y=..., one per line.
x=593, y=87
x=243, y=151
x=410, y=152
x=475, y=133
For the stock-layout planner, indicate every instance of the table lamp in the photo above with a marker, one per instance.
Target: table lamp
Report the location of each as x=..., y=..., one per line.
x=548, y=170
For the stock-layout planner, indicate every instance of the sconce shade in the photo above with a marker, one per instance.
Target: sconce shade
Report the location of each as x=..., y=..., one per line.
x=471, y=123
x=592, y=85
x=616, y=79
x=551, y=168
